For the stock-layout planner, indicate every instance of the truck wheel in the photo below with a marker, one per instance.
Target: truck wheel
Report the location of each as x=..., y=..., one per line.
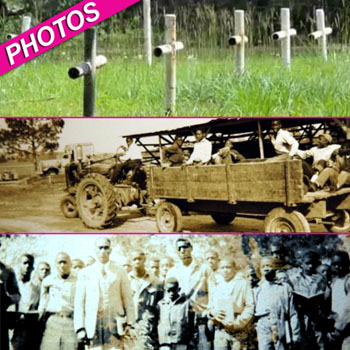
x=168, y=218
x=279, y=220
x=69, y=206
x=51, y=172
x=341, y=222
x=223, y=219
x=96, y=201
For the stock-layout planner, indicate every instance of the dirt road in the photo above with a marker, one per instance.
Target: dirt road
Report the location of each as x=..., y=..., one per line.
x=35, y=208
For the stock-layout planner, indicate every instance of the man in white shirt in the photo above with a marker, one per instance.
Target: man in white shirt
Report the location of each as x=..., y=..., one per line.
x=56, y=306
x=103, y=307
x=231, y=307
x=130, y=158
x=284, y=143
x=26, y=333
x=193, y=277
x=320, y=154
x=201, y=154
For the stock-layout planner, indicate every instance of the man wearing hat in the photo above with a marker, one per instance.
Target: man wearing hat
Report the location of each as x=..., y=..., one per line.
x=193, y=278
x=277, y=320
x=320, y=154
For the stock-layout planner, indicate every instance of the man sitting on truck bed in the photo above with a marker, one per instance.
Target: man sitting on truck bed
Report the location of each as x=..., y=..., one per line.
x=173, y=155
x=284, y=143
x=201, y=154
x=130, y=159
x=320, y=155
x=227, y=154
x=337, y=172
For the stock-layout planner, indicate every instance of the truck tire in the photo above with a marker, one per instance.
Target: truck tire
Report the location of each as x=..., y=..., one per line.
x=168, y=218
x=51, y=172
x=341, y=223
x=96, y=201
x=68, y=206
x=223, y=219
x=279, y=220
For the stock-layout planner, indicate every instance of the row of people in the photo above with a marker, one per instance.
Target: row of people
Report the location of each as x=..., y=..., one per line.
x=211, y=304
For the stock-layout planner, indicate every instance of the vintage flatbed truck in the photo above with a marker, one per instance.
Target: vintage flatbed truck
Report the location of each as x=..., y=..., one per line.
x=272, y=191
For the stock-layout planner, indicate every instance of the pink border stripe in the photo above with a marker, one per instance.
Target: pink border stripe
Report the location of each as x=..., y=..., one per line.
x=106, y=9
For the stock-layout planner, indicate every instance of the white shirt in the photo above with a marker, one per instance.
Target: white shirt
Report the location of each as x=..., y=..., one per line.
x=103, y=278
x=284, y=143
x=318, y=154
x=201, y=152
x=61, y=293
x=236, y=298
x=30, y=295
x=340, y=300
x=134, y=152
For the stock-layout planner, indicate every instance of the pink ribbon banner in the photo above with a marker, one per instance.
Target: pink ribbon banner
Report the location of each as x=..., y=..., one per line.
x=57, y=30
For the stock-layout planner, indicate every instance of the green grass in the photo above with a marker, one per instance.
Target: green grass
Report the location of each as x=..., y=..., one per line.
x=207, y=86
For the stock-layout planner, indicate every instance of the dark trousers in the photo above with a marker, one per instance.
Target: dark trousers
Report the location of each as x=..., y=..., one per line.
x=309, y=171
x=126, y=166
x=26, y=333
x=4, y=332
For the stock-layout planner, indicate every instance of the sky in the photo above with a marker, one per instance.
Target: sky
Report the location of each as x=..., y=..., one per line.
x=106, y=133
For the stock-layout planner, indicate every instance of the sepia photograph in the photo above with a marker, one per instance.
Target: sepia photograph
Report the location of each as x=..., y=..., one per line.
x=149, y=175
x=175, y=292
x=186, y=58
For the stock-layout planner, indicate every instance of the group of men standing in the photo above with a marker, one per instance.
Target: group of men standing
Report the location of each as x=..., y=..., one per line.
x=156, y=304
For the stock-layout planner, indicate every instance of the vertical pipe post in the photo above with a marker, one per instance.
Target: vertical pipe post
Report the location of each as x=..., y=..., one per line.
x=148, y=30
x=170, y=39
x=26, y=21
x=90, y=79
x=322, y=28
x=160, y=149
x=261, y=143
x=285, y=42
x=239, y=31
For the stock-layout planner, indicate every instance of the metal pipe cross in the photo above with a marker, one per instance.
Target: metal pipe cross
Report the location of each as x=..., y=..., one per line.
x=239, y=40
x=26, y=22
x=87, y=69
x=148, y=30
x=321, y=32
x=285, y=36
x=169, y=49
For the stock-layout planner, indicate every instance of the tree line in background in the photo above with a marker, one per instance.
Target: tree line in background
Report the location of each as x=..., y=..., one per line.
x=245, y=248
x=30, y=137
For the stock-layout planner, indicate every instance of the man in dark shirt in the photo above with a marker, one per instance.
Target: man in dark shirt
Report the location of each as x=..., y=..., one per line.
x=147, y=292
x=26, y=333
x=173, y=154
x=9, y=294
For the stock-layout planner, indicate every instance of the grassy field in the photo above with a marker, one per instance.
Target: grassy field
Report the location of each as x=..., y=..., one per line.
x=207, y=86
